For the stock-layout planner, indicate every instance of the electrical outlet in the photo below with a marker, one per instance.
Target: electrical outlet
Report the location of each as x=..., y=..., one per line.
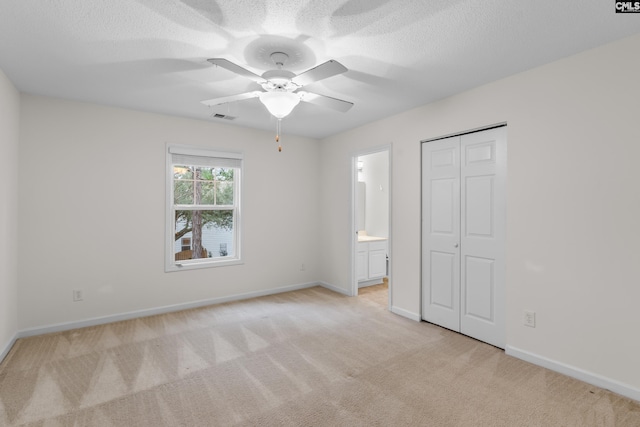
x=77, y=295
x=530, y=318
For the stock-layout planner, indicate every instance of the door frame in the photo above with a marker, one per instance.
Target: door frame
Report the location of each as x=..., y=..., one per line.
x=353, y=291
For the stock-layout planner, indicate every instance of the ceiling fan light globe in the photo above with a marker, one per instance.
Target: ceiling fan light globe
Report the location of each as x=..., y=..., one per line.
x=279, y=104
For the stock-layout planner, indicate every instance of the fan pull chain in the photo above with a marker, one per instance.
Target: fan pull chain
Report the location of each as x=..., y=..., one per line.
x=278, y=131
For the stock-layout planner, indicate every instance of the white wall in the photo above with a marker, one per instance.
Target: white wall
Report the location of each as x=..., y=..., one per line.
x=9, y=126
x=572, y=205
x=91, y=205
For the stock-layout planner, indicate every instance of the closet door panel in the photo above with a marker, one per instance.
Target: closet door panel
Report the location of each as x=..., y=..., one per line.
x=441, y=233
x=443, y=280
x=480, y=288
x=483, y=178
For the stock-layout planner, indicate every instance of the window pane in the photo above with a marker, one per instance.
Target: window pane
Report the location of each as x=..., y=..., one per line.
x=207, y=174
x=224, y=192
x=210, y=234
x=183, y=192
x=208, y=193
x=182, y=172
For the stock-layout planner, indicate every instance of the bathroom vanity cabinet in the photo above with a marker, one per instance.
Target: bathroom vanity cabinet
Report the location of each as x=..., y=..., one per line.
x=371, y=260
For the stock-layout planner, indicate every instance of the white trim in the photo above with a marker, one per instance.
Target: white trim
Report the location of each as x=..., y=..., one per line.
x=194, y=265
x=370, y=282
x=406, y=313
x=7, y=347
x=190, y=150
x=353, y=239
x=335, y=289
x=577, y=373
x=390, y=236
x=59, y=327
x=473, y=130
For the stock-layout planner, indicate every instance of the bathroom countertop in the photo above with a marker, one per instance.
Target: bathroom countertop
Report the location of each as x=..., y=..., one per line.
x=366, y=238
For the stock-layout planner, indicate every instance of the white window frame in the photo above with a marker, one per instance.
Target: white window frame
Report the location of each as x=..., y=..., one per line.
x=173, y=151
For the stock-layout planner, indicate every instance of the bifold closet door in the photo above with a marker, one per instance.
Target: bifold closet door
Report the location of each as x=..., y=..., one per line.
x=463, y=259
x=441, y=232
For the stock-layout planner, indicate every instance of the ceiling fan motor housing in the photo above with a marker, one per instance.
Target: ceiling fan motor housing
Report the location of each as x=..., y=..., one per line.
x=279, y=80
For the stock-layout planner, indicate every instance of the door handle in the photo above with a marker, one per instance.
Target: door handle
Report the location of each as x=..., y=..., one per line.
x=456, y=245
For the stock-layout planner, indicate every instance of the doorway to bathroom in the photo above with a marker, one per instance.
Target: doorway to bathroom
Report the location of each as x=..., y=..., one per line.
x=371, y=230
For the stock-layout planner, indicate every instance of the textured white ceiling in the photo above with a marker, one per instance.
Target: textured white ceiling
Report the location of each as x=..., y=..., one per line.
x=151, y=54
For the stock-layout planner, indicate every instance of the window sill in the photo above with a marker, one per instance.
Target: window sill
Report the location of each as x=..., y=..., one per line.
x=199, y=265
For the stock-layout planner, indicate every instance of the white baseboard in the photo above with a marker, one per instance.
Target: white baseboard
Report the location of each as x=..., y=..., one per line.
x=579, y=374
x=371, y=282
x=7, y=348
x=59, y=327
x=406, y=313
x=335, y=288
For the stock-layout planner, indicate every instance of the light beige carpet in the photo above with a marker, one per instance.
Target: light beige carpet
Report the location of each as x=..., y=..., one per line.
x=304, y=358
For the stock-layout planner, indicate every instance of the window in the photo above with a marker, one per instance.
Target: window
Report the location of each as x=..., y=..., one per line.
x=203, y=208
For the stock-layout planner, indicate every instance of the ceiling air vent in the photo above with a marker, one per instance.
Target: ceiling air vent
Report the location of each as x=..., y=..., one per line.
x=223, y=116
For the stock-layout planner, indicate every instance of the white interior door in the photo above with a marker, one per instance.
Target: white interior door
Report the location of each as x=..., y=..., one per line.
x=482, y=255
x=464, y=234
x=441, y=232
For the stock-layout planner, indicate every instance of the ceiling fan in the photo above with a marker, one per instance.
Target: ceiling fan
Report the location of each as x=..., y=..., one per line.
x=281, y=88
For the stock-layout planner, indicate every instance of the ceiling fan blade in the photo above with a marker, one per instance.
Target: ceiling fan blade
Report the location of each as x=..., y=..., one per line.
x=322, y=71
x=325, y=101
x=232, y=98
x=228, y=65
